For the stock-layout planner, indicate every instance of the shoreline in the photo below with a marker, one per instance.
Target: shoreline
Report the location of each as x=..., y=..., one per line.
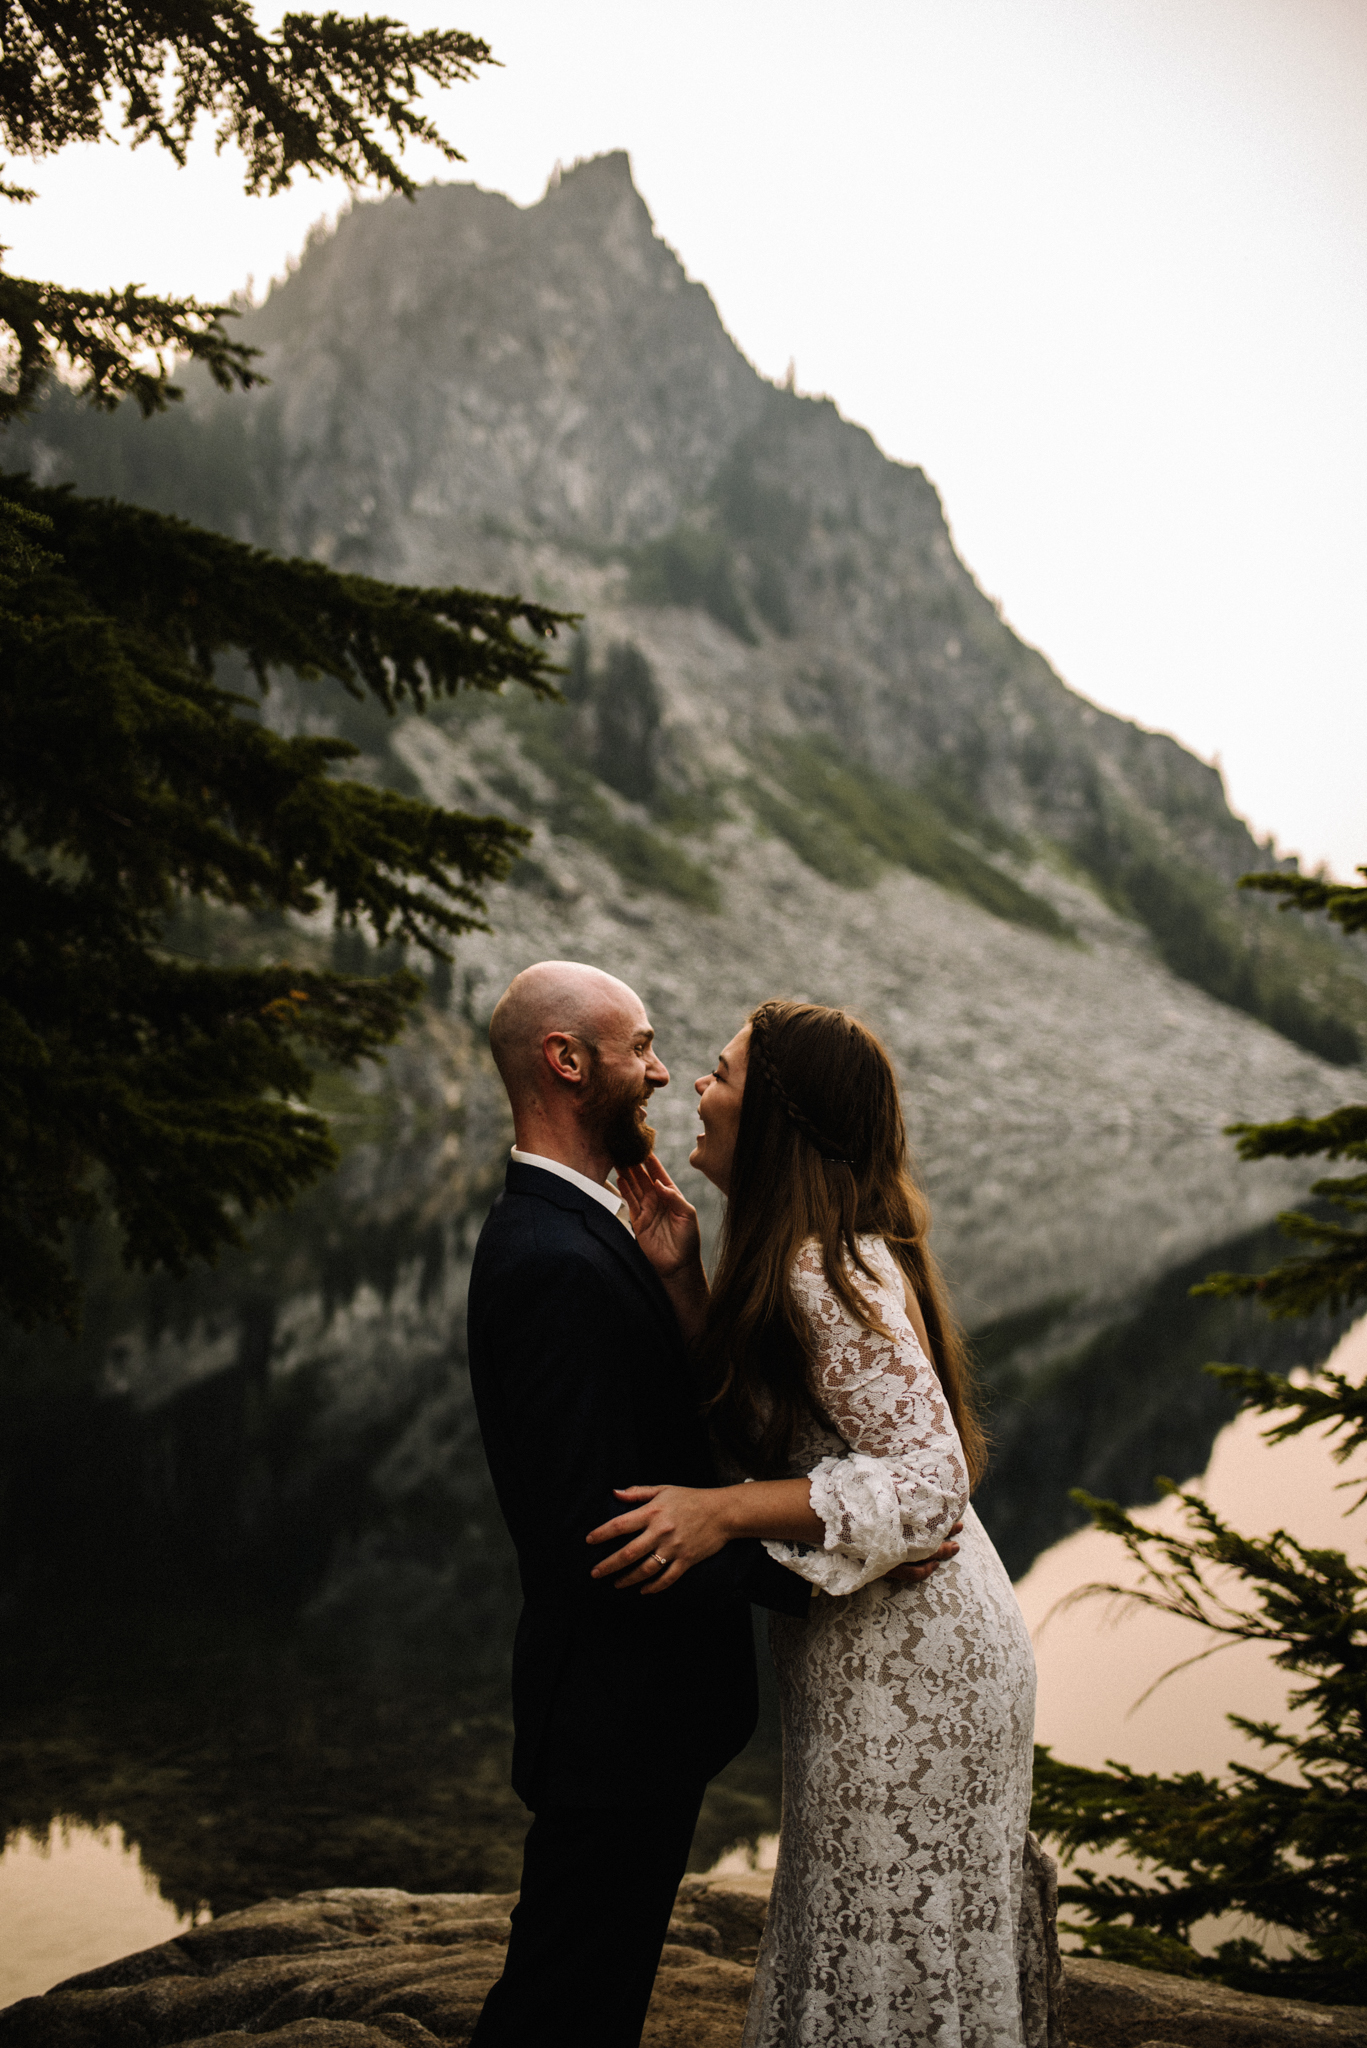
x=368, y=1968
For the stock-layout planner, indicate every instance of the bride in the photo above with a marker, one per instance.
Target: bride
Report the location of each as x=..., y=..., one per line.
x=909, y=1904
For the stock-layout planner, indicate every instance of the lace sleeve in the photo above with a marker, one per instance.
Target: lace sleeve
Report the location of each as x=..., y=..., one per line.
x=894, y=1494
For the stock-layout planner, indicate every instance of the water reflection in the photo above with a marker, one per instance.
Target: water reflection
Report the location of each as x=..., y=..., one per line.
x=1098, y=1659
x=71, y=1899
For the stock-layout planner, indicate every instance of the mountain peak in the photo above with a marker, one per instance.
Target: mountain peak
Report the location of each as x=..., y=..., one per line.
x=593, y=178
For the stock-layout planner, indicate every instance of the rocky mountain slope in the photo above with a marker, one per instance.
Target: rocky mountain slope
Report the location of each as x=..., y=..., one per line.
x=540, y=397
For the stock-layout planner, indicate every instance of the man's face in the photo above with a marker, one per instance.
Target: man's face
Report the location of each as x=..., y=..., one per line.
x=623, y=1073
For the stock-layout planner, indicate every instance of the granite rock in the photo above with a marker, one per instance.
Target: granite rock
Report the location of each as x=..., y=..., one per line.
x=366, y=1969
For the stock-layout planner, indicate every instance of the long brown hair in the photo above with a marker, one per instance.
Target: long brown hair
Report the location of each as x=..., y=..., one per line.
x=821, y=1151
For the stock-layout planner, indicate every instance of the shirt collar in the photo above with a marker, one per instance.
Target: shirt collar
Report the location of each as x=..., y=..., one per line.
x=609, y=1197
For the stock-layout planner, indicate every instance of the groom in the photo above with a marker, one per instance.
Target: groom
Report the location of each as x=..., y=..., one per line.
x=623, y=1707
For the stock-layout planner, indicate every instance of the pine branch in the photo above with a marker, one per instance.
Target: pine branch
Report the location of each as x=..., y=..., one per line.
x=322, y=94
x=1333, y=1277
x=1330, y=1401
x=173, y=1091
x=1344, y=902
x=1342, y=1134
x=1288, y=1852
x=1309, y=1604
x=205, y=594
x=129, y=779
x=125, y=343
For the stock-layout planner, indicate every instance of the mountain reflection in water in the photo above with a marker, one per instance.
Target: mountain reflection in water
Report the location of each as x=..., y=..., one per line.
x=258, y=1599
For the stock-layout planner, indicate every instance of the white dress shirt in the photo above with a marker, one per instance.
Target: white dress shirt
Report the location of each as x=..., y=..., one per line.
x=609, y=1197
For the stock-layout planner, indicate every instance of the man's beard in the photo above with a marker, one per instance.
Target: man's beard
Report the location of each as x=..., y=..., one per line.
x=611, y=1112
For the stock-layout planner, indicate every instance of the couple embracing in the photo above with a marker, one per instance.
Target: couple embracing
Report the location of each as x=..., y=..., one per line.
x=823, y=1374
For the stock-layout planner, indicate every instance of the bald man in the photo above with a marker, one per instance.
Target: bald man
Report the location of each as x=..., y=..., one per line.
x=623, y=1707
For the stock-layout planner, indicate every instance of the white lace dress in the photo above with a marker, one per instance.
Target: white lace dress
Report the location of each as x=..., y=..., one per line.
x=909, y=1906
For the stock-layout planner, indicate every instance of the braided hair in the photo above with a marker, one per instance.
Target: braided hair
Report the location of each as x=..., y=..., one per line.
x=821, y=1153
x=761, y=1057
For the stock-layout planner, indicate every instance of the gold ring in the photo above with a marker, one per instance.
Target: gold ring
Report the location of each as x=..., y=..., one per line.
x=662, y=1562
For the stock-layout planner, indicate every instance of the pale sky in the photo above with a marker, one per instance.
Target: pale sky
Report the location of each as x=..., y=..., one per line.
x=1096, y=265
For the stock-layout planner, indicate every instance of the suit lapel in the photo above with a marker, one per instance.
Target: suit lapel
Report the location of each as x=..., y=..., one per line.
x=624, y=1247
x=604, y=1226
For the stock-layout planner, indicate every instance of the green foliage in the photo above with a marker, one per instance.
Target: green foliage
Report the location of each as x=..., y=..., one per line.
x=1330, y=1402
x=692, y=566
x=322, y=95
x=1335, y=1272
x=552, y=738
x=823, y=841
x=752, y=528
x=1344, y=902
x=23, y=530
x=1289, y=1853
x=309, y=97
x=641, y=857
x=844, y=819
x=1200, y=937
x=618, y=725
x=131, y=780
x=1285, y=1845
x=125, y=342
x=769, y=524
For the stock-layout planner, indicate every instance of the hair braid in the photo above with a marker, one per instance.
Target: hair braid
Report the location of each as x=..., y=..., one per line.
x=798, y=1117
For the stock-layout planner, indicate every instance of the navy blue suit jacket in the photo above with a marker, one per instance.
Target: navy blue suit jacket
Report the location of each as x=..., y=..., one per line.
x=582, y=1383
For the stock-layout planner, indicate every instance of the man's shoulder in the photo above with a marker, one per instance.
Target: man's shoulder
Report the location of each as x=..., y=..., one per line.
x=524, y=1232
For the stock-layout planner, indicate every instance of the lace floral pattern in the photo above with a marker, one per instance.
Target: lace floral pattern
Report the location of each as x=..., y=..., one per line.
x=899, y=1481
x=909, y=1905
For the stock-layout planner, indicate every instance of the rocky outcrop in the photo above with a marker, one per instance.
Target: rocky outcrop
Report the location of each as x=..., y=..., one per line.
x=1111, y=2005
x=367, y=1969
x=358, y=1969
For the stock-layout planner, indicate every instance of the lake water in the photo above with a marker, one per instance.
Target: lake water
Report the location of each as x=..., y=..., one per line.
x=231, y=1761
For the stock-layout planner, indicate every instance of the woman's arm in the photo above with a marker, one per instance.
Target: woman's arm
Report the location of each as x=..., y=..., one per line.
x=685, y=1524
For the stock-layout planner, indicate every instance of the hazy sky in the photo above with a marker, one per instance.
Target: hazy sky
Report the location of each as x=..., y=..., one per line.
x=1096, y=265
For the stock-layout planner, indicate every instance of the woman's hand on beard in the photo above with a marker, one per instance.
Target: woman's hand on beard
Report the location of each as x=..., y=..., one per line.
x=664, y=1224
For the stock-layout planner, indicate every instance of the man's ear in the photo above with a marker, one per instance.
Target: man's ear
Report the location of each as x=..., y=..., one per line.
x=566, y=1057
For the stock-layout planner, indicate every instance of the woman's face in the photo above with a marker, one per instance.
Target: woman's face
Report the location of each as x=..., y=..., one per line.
x=719, y=1097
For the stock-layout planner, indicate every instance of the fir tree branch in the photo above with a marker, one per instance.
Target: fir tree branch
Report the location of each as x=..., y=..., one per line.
x=1330, y=1401
x=1342, y=1134
x=130, y=778
x=324, y=94
x=1333, y=1277
x=1287, y=1851
x=125, y=343
x=1309, y=1604
x=1344, y=902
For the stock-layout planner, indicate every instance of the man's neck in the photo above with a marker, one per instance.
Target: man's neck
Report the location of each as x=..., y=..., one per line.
x=566, y=1148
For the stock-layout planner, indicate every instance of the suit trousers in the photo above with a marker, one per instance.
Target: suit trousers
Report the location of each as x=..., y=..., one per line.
x=598, y=1887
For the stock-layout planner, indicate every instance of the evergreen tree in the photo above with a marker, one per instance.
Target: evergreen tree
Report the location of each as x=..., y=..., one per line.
x=323, y=95
x=131, y=777
x=1286, y=1844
